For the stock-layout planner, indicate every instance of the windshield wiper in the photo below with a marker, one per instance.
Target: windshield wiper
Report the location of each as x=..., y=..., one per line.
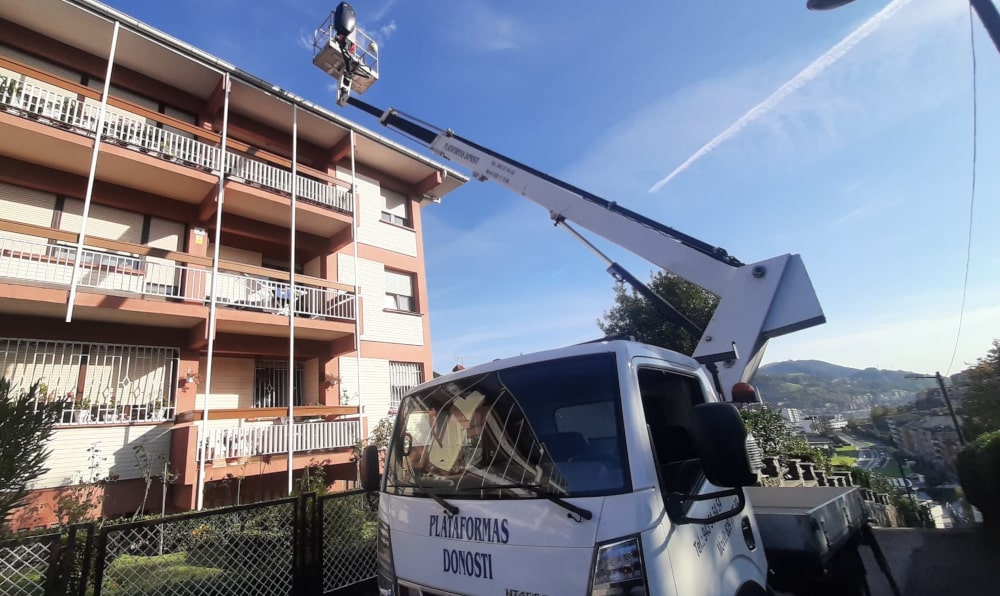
x=540, y=492
x=451, y=509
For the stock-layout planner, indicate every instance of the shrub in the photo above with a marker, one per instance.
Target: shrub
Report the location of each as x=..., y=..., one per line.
x=979, y=474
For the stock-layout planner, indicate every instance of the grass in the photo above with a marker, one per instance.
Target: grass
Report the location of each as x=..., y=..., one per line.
x=130, y=574
x=844, y=457
x=22, y=583
x=842, y=461
x=890, y=469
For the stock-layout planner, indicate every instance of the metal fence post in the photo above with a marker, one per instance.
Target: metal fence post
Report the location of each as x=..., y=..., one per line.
x=102, y=555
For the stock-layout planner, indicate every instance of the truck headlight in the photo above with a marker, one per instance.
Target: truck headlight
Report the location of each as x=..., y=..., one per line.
x=618, y=570
x=386, y=566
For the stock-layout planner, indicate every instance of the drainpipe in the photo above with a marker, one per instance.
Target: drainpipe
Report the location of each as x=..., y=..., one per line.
x=357, y=292
x=291, y=304
x=213, y=302
x=93, y=172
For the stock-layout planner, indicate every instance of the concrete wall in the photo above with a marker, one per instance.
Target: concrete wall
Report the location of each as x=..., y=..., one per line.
x=379, y=325
x=371, y=229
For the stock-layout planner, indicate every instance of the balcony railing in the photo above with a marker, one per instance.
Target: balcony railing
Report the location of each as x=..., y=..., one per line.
x=267, y=295
x=251, y=441
x=258, y=173
x=38, y=261
x=95, y=383
x=68, y=112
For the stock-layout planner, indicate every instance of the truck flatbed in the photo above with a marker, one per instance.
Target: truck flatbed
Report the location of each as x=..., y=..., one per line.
x=809, y=523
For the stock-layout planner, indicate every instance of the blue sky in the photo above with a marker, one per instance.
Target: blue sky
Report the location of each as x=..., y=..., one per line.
x=863, y=166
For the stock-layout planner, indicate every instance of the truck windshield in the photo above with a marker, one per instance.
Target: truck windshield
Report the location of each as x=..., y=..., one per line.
x=549, y=428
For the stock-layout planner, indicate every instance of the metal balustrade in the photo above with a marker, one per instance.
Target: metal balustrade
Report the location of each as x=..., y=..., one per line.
x=37, y=261
x=250, y=441
x=268, y=295
x=119, y=383
x=67, y=111
x=259, y=173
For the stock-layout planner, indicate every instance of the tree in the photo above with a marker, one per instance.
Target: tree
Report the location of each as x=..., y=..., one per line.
x=981, y=408
x=768, y=428
x=634, y=315
x=25, y=428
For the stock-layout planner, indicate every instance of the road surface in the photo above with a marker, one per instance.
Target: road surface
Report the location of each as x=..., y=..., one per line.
x=925, y=562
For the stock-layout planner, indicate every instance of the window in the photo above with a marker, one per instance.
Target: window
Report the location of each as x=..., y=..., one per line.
x=667, y=401
x=270, y=384
x=395, y=208
x=486, y=435
x=403, y=376
x=399, y=292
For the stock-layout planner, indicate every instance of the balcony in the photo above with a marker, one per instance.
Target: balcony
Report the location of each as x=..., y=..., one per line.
x=95, y=383
x=119, y=268
x=65, y=111
x=236, y=442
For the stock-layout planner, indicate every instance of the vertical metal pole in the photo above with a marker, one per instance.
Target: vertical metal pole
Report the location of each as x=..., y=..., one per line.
x=214, y=301
x=357, y=294
x=951, y=410
x=291, y=304
x=93, y=174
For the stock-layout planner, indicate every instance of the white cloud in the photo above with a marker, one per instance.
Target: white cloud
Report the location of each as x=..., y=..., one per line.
x=305, y=40
x=814, y=70
x=386, y=31
x=912, y=63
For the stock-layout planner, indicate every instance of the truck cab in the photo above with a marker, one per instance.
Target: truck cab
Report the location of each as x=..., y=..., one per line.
x=603, y=468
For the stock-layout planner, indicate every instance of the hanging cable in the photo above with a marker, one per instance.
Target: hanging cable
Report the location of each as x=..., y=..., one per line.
x=972, y=198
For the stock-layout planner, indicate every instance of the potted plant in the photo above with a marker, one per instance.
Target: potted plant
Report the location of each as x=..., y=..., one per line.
x=83, y=410
x=10, y=91
x=157, y=411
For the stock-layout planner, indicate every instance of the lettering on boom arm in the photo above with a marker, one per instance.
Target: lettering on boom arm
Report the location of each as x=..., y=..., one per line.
x=469, y=563
x=461, y=154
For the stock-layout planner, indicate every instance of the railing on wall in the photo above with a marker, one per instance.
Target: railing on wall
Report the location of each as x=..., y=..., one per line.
x=66, y=111
x=251, y=441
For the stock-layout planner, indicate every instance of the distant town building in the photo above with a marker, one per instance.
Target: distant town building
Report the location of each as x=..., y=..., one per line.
x=932, y=439
x=792, y=414
x=837, y=423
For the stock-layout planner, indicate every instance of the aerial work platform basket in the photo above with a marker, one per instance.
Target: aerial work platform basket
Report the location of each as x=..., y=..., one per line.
x=351, y=58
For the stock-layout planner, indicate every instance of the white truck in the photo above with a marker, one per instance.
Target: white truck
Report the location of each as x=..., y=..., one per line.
x=610, y=467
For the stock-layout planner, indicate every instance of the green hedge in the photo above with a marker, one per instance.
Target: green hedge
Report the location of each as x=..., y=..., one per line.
x=979, y=473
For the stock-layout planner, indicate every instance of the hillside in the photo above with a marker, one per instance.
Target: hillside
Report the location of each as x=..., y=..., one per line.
x=817, y=386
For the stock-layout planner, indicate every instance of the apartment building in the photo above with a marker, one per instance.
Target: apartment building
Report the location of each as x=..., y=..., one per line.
x=132, y=228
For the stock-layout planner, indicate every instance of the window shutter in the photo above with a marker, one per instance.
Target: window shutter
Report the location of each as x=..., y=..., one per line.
x=399, y=283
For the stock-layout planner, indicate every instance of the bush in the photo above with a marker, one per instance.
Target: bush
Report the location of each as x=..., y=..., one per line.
x=979, y=474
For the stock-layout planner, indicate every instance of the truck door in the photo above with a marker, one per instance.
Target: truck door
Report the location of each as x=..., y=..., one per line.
x=705, y=558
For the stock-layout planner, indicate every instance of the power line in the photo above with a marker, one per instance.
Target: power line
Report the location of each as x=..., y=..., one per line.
x=972, y=198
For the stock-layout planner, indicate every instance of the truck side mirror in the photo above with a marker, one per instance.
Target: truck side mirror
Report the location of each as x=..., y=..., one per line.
x=720, y=440
x=369, y=468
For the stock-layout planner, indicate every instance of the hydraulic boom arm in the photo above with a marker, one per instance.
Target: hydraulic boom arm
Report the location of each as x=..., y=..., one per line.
x=757, y=301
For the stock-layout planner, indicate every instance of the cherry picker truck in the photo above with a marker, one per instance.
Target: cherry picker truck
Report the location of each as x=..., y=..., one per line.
x=610, y=467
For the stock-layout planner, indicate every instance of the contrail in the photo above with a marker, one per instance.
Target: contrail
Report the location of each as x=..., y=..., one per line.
x=791, y=86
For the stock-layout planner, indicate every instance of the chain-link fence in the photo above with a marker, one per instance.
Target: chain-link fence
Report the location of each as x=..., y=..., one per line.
x=298, y=545
x=347, y=525
x=27, y=564
x=249, y=549
x=51, y=564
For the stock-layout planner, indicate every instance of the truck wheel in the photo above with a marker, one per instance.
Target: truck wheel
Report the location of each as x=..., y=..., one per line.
x=847, y=574
x=752, y=589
